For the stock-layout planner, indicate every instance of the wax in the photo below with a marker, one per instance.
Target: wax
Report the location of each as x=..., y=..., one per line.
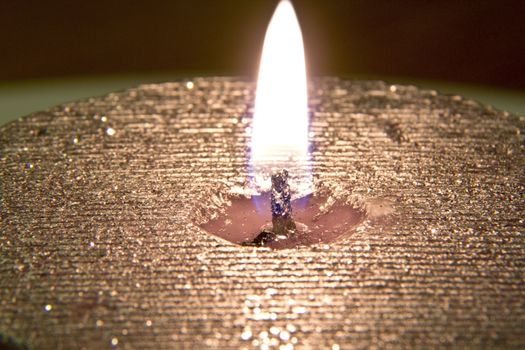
x=101, y=246
x=243, y=220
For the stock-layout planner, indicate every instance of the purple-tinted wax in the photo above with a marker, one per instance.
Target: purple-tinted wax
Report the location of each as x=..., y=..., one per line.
x=317, y=221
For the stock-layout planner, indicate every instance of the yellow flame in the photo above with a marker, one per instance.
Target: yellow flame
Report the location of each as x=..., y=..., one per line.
x=280, y=122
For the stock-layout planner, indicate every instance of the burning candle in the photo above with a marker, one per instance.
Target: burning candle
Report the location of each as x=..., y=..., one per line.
x=99, y=200
x=281, y=183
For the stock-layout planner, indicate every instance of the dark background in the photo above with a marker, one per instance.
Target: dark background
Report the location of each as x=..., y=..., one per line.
x=464, y=41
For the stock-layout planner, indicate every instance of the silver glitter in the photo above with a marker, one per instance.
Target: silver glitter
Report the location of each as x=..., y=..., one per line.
x=445, y=272
x=110, y=131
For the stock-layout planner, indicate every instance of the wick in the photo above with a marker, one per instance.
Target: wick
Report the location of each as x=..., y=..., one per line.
x=281, y=204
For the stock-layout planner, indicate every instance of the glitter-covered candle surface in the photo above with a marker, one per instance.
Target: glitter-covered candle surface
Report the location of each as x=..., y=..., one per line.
x=101, y=200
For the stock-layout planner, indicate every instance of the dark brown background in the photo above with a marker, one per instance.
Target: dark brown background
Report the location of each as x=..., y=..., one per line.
x=465, y=41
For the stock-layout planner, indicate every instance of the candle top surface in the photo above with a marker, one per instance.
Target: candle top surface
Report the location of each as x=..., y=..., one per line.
x=99, y=197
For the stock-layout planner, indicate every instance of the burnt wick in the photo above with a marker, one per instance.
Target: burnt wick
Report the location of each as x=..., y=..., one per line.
x=281, y=203
x=283, y=226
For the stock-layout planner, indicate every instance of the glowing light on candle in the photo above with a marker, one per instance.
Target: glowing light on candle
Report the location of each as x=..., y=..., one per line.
x=280, y=121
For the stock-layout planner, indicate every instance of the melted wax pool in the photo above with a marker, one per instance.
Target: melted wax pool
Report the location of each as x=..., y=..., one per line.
x=318, y=220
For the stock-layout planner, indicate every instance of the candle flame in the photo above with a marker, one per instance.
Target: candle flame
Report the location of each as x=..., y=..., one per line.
x=280, y=121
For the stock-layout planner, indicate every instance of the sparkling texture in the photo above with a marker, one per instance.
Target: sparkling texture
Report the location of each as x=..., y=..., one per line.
x=105, y=229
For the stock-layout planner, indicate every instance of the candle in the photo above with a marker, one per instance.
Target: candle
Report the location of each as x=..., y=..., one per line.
x=99, y=249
